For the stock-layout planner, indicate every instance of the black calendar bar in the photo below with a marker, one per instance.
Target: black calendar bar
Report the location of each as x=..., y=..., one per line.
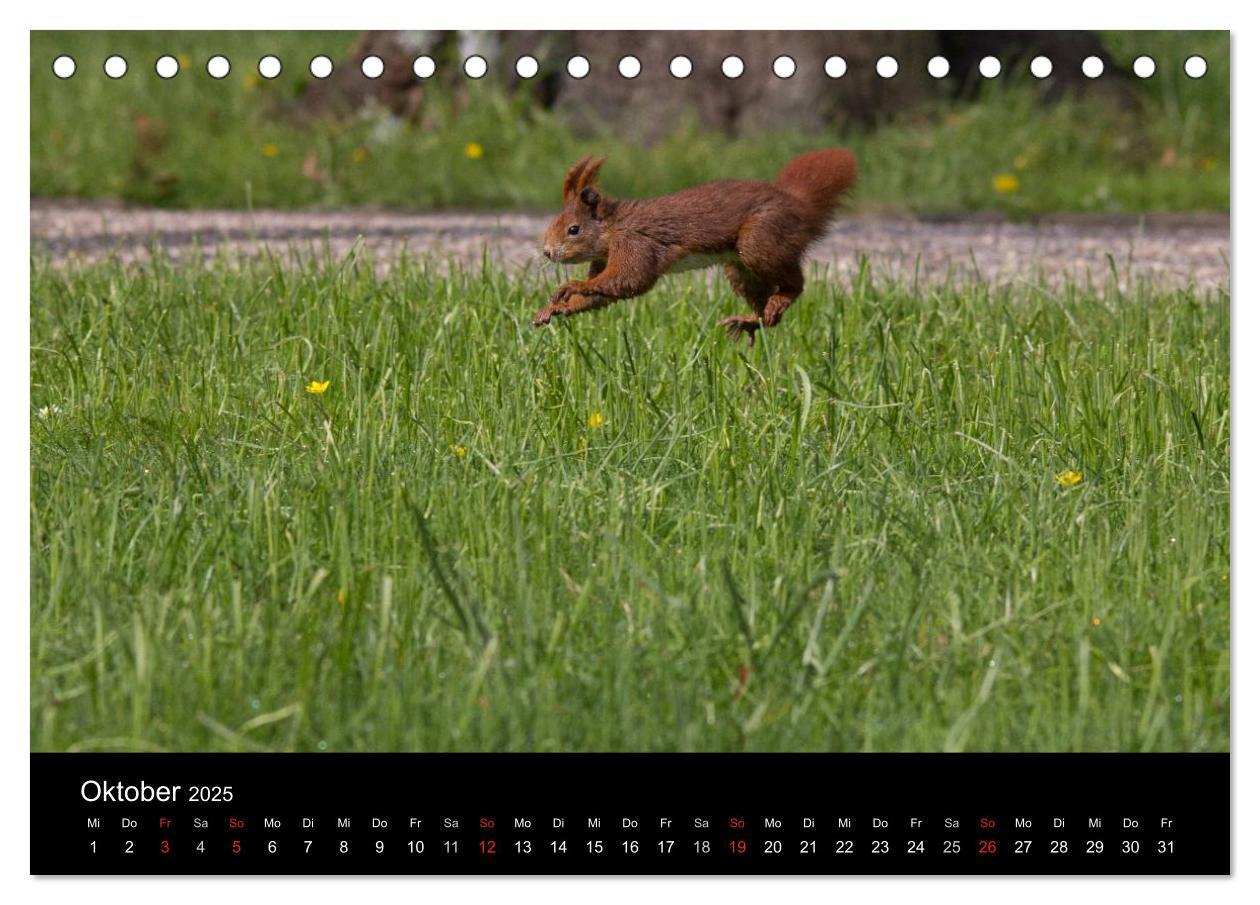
x=448, y=814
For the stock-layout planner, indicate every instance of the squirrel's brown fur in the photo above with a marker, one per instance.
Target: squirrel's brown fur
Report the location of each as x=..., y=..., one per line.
x=758, y=230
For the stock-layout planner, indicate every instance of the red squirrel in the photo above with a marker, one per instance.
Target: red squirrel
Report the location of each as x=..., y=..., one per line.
x=758, y=231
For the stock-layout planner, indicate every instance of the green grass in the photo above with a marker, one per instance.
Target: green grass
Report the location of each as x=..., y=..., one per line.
x=849, y=538
x=194, y=142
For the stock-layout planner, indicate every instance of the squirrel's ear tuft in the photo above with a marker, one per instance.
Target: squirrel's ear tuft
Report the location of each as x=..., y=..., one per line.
x=572, y=181
x=590, y=197
x=591, y=171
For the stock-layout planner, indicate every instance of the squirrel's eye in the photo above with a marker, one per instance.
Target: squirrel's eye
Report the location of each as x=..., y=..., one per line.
x=573, y=230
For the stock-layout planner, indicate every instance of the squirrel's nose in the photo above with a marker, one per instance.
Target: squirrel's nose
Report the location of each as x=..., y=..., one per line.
x=547, y=251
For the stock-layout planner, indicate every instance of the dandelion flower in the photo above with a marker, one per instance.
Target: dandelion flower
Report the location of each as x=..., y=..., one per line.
x=1005, y=184
x=270, y=149
x=1096, y=621
x=474, y=151
x=460, y=451
x=1069, y=478
x=595, y=420
x=318, y=387
x=358, y=155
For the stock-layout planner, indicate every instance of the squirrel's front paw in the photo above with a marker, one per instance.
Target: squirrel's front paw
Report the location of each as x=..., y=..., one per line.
x=561, y=295
x=546, y=313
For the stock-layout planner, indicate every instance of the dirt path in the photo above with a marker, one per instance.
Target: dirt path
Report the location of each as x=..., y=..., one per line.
x=1172, y=250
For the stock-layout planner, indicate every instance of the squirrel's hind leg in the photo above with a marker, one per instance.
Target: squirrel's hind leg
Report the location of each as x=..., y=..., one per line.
x=790, y=286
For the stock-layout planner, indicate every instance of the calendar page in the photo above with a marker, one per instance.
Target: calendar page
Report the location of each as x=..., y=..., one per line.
x=630, y=452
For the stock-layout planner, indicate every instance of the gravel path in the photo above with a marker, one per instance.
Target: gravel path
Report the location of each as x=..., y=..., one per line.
x=1169, y=249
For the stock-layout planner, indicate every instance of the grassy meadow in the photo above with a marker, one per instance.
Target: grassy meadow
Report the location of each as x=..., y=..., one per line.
x=948, y=517
x=193, y=141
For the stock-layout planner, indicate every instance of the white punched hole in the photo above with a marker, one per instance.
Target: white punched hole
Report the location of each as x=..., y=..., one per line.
x=1144, y=67
x=167, y=67
x=1195, y=67
x=218, y=67
x=886, y=67
x=680, y=67
x=784, y=66
x=990, y=67
x=579, y=67
x=64, y=66
x=476, y=67
x=115, y=67
x=423, y=67
x=629, y=67
x=1092, y=67
x=321, y=67
x=269, y=67
x=1041, y=67
x=938, y=67
x=527, y=67
x=373, y=67
x=835, y=67
x=732, y=67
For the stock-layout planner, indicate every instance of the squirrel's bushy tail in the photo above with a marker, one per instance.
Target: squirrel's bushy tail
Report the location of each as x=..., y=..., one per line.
x=817, y=179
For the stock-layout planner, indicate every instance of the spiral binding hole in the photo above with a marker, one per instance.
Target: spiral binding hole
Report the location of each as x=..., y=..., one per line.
x=269, y=67
x=680, y=67
x=321, y=67
x=1195, y=67
x=64, y=66
x=527, y=67
x=166, y=66
x=423, y=67
x=784, y=67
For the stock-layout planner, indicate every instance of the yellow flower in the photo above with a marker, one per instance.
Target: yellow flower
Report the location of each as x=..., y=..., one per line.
x=1005, y=184
x=318, y=387
x=341, y=597
x=459, y=451
x=595, y=420
x=358, y=155
x=474, y=151
x=1096, y=621
x=184, y=60
x=1069, y=478
x=1021, y=162
x=270, y=150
